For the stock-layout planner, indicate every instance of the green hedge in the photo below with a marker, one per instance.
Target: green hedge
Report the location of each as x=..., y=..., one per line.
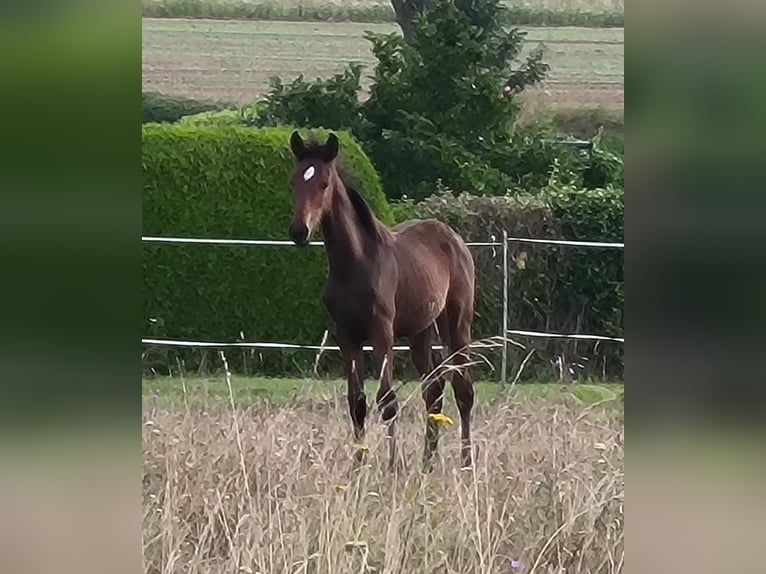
x=554, y=289
x=218, y=182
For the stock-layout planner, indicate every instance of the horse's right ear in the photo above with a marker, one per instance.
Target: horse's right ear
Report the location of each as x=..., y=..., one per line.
x=297, y=145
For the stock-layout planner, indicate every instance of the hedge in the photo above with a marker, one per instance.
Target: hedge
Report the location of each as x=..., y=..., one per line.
x=219, y=182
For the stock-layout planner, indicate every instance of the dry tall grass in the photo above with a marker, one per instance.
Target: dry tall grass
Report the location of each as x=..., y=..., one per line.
x=273, y=489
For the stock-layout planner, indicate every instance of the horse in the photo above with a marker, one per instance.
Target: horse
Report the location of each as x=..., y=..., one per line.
x=413, y=281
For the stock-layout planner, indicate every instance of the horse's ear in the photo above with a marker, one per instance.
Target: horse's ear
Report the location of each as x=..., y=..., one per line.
x=297, y=145
x=331, y=148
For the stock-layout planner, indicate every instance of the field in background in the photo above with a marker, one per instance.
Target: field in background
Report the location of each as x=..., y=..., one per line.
x=592, y=13
x=271, y=488
x=232, y=61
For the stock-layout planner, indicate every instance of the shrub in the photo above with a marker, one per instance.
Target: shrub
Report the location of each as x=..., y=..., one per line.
x=158, y=108
x=232, y=183
x=552, y=288
x=604, y=167
x=332, y=102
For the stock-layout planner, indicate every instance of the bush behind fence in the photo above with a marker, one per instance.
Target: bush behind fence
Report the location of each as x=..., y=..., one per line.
x=560, y=289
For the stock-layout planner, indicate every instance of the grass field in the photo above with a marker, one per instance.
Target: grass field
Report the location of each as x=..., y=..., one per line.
x=269, y=486
x=233, y=60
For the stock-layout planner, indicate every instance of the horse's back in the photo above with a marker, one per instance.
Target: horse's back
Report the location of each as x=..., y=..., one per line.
x=423, y=237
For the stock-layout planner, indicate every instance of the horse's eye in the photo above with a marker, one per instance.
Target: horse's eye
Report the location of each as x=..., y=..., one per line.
x=309, y=173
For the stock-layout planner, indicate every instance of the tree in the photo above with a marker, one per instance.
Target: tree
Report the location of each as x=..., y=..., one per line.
x=491, y=17
x=407, y=11
x=436, y=110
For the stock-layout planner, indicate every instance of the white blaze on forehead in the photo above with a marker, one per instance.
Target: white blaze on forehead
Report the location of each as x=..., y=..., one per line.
x=309, y=173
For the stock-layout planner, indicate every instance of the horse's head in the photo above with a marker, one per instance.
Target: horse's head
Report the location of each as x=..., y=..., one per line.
x=311, y=184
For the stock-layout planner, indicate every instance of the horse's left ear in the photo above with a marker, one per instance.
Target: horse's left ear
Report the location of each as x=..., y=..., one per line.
x=331, y=148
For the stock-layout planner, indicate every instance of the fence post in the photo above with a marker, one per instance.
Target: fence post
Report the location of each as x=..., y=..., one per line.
x=504, y=331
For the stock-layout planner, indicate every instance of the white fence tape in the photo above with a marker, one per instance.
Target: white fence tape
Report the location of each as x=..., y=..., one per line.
x=563, y=336
x=567, y=242
x=271, y=242
x=284, y=346
x=293, y=346
x=277, y=242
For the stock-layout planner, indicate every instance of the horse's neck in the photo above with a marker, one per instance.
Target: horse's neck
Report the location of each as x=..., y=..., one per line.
x=346, y=242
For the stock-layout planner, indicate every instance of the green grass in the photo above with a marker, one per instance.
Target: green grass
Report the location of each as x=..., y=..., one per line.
x=169, y=392
x=231, y=60
x=589, y=13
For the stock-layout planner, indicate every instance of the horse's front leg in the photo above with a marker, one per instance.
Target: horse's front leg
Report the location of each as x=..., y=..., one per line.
x=383, y=343
x=357, y=402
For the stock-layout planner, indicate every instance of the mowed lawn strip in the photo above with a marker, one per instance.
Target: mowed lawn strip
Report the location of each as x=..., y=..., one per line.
x=168, y=392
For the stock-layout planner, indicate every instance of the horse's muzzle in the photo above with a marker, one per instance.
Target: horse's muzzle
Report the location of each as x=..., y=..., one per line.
x=299, y=234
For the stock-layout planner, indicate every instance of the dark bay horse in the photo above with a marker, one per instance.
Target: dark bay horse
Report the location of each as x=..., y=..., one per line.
x=414, y=281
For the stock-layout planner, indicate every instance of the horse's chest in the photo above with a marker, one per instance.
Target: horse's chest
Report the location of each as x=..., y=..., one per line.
x=350, y=308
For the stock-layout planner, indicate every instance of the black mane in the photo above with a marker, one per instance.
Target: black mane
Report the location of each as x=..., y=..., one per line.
x=363, y=212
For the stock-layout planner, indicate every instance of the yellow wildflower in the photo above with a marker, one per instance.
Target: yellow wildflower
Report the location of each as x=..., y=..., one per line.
x=440, y=418
x=363, y=448
x=340, y=488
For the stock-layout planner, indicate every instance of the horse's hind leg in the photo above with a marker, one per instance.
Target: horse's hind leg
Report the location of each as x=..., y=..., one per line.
x=432, y=388
x=460, y=319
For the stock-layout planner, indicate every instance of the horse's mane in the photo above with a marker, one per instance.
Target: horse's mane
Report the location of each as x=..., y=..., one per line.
x=315, y=150
x=363, y=211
